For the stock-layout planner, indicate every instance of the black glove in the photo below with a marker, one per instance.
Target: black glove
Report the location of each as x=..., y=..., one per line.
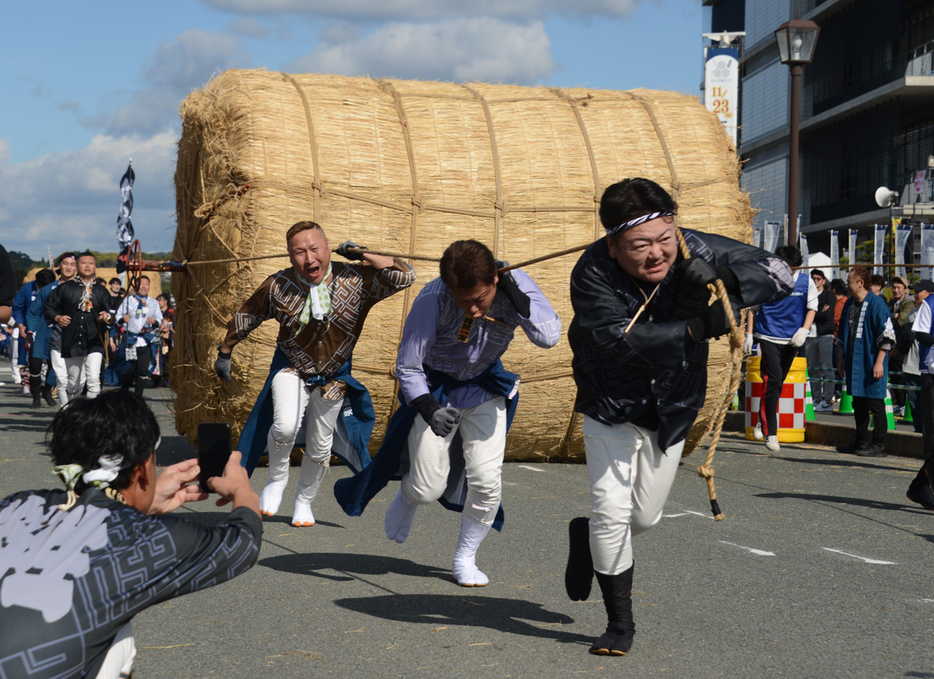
x=510, y=288
x=343, y=251
x=426, y=405
x=699, y=273
x=713, y=323
x=222, y=365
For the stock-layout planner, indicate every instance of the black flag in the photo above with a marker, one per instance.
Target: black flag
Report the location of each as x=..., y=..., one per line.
x=125, y=234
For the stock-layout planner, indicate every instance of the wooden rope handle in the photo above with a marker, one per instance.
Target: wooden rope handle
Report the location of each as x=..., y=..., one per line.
x=737, y=338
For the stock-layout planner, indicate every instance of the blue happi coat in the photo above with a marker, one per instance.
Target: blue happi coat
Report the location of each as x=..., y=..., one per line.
x=874, y=330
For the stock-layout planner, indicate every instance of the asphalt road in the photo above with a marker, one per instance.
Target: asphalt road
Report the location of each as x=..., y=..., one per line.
x=822, y=568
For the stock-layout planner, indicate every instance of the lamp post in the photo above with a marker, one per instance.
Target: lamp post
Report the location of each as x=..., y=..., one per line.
x=796, y=41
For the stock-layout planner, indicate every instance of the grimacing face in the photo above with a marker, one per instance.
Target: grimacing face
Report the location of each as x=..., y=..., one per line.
x=310, y=254
x=646, y=251
x=476, y=302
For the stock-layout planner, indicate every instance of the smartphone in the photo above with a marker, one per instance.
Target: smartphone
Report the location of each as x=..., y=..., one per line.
x=213, y=451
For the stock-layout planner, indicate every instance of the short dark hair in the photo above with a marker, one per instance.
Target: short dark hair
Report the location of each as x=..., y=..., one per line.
x=114, y=280
x=862, y=273
x=790, y=254
x=87, y=253
x=633, y=198
x=116, y=423
x=64, y=255
x=44, y=277
x=838, y=286
x=168, y=302
x=878, y=280
x=298, y=227
x=466, y=264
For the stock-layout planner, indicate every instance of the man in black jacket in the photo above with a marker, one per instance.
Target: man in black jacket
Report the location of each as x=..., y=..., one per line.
x=820, y=348
x=639, y=338
x=80, y=308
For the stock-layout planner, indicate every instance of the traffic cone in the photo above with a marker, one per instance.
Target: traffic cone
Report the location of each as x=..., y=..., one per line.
x=808, y=401
x=889, y=414
x=907, y=416
x=846, y=403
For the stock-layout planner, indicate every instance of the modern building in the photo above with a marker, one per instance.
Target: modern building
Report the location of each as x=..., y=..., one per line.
x=867, y=109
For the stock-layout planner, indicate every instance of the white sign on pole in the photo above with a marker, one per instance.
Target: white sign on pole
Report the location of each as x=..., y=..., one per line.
x=721, y=86
x=927, y=251
x=902, y=234
x=757, y=235
x=803, y=247
x=853, y=233
x=878, y=253
x=834, y=254
x=771, y=235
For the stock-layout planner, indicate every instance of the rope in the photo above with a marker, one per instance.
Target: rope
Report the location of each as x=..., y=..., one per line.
x=737, y=337
x=313, y=146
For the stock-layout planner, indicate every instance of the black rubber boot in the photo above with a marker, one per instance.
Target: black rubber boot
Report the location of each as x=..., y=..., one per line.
x=617, y=597
x=578, y=576
x=36, y=402
x=47, y=395
x=920, y=490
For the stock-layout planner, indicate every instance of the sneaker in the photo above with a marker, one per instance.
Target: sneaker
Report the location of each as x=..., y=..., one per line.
x=757, y=432
x=824, y=407
x=898, y=411
x=771, y=443
x=872, y=450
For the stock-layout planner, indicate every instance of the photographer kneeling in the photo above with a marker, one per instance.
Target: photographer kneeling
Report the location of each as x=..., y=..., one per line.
x=76, y=565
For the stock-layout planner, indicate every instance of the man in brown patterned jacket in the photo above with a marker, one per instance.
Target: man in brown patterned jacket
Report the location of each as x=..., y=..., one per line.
x=320, y=308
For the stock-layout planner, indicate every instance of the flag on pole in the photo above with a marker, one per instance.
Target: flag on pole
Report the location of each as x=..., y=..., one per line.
x=125, y=233
x=902, y=235
x=835, y=254
x=879, y=250
x=852, y=233
x=803, y=247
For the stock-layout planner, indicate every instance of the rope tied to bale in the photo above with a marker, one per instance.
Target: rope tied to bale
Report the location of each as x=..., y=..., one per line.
x=737, y=337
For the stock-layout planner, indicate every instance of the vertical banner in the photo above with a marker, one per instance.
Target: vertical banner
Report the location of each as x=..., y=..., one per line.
x=803, y=247
x=878, y=252
x=721, y=86
x=785, y=231
x=771, y=235
x=902, y=237
x=927, y=251
x=757, y=235
x=834, y=254
x=853, y=233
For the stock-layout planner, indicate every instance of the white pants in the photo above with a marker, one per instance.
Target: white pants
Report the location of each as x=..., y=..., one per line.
x=61, y=375
x=118, y=662
x=630, y=478
x=483, y=432
x=291, y=399
x=83, y=369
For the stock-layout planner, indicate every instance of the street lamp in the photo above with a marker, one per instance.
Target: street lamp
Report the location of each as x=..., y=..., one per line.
x=796, y=41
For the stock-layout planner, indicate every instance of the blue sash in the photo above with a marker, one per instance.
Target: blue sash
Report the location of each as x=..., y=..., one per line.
x=392, y=461
x=357, y=418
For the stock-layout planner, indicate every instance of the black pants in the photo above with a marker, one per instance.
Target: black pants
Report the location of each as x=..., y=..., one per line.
x=862, y=407
x=913, y=398
x=138, y=371
x=35, y=376
x=774, y=366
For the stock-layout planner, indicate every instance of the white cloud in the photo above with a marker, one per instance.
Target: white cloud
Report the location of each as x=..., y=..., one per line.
x=422, y=10
x=169, y=75
x=462, y=50
x=71, y=198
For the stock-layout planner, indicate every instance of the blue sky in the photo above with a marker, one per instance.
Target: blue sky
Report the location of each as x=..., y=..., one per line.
x=88, y=85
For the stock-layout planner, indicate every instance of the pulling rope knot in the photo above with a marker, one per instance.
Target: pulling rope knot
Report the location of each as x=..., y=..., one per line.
x=705, y=472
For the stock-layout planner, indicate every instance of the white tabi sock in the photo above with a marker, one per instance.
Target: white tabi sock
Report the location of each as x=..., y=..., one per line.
x=308, y=483
x=465, y=568
x=399, y=518
x=271, y=497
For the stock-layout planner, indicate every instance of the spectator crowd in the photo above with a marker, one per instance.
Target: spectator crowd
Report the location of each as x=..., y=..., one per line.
x=69, y=332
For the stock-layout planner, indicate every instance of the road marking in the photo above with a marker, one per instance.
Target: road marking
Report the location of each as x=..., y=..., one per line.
x=863, y=558
x=525, y=466
x=757, y=552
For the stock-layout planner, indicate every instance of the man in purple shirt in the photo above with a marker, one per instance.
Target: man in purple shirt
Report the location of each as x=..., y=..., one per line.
x=450, y=372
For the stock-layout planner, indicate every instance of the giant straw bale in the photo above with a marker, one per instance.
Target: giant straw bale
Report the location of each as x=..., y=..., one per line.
x=409, y=167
